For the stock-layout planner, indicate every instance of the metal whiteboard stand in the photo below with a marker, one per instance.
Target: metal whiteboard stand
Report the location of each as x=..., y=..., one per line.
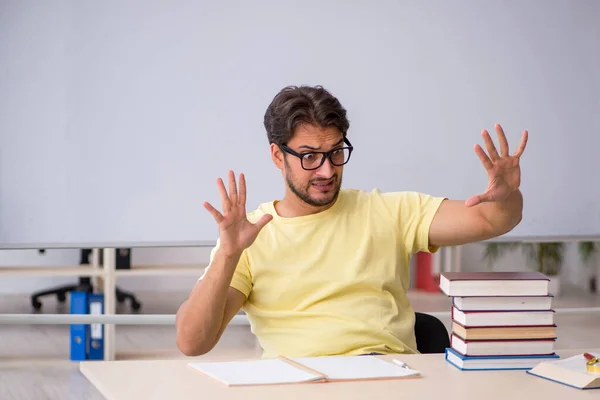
x=109, y=302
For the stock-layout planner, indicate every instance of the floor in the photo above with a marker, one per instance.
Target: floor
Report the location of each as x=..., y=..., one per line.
x=34, y=359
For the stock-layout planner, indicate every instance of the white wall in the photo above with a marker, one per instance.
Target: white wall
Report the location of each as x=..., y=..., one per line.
x=148, y=86
x=573, y=273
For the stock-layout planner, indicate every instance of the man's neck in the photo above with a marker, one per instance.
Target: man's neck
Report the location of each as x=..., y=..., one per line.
x=291, y=206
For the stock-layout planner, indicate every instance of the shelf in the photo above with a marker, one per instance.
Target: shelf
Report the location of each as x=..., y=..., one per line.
x=86, y=271
x=153, y=270
x=50, y=270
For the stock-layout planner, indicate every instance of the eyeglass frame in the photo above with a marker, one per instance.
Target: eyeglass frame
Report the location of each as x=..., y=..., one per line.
x=324, y=154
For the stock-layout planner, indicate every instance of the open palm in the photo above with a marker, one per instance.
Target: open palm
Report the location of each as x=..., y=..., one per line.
x=236, y=232
x=504, y=171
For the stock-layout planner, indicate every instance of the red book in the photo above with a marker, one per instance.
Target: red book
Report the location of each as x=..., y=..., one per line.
x=494, y=284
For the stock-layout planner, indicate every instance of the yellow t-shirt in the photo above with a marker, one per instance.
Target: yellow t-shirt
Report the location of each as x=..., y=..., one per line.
x=334, y=283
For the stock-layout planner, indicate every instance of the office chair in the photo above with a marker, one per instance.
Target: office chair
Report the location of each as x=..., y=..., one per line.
x=431, y=334
x=84, y=284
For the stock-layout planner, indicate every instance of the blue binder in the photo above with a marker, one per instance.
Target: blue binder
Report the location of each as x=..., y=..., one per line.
x=96, y=331
x=79, y=332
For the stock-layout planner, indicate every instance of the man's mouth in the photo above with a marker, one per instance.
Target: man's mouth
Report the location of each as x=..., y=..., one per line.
x=324, y=185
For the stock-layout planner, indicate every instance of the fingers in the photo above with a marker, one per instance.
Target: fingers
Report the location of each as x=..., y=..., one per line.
x=225, y=200
x=229, y=200
x=242, y=194
x=489, y=144
x=485, y=160
x=216, y=214
x=522, y=145
x=502, y=140
x=478, y=199
x=473, y=201
x=233, y=194
x=264, y=220
x=491, y=149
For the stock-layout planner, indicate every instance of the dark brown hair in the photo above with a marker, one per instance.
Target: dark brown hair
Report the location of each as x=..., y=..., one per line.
x=295, y=105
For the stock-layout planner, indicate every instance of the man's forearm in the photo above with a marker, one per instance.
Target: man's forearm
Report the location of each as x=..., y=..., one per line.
x=503, y=216
x=199, y=319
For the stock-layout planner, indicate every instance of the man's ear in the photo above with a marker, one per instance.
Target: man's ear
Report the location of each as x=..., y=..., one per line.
x=277, y=156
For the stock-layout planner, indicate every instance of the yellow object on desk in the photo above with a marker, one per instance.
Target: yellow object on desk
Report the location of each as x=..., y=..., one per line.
x=593, y=363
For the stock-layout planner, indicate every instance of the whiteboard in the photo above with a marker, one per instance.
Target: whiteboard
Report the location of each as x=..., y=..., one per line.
x=116, y=118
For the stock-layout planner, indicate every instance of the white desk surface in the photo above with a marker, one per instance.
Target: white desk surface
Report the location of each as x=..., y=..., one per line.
x=175, y=380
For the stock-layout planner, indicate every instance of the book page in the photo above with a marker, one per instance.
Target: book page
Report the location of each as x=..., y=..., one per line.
x=355, y=367
x=576, y=363
x=254, y=372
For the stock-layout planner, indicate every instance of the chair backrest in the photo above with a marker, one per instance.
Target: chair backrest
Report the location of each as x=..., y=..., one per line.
x=431, y=334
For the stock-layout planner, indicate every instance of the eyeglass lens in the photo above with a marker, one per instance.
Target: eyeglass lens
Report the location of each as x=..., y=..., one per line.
x=314, y=160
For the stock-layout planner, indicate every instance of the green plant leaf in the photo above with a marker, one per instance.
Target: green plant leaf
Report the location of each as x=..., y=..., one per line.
x=493, y=251
x=546, y=257
x=586, y=250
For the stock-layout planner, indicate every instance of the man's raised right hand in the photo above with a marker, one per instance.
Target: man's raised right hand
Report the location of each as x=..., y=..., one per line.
x=235, y=231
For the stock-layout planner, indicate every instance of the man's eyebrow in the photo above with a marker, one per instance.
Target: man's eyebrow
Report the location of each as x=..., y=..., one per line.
x=305, y=146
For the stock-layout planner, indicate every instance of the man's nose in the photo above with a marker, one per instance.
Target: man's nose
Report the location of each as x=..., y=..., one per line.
x=326, y=169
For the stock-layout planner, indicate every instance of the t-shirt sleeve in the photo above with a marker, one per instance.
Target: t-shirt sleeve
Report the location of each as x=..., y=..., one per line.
x=242, y=279
x=414, y=214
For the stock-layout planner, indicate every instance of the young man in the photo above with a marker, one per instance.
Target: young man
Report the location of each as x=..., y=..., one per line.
x=324, y=271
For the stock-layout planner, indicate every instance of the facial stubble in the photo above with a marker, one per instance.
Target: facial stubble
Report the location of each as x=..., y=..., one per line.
x=304, y=194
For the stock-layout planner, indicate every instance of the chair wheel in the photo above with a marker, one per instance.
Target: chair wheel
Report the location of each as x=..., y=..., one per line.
x=135, y=305
x=36, y=304
x=62, y=297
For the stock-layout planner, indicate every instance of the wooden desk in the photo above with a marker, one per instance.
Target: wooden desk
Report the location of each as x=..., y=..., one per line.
x=174, y=380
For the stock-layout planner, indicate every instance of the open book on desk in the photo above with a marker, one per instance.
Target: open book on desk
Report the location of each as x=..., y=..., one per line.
x=570, y=371
x=282, y=370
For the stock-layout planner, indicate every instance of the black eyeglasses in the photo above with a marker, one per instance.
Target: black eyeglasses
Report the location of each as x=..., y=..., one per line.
x=314, y=159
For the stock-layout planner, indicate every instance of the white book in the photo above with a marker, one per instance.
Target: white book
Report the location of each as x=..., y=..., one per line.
x=571, y=371
x=503, y=303
x=502, y=347
x=281, y=370
x=255, y=372
x=503, y=318
x=341, y=368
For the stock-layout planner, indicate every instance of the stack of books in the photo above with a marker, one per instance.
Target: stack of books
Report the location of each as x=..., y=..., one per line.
x=500, y=320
